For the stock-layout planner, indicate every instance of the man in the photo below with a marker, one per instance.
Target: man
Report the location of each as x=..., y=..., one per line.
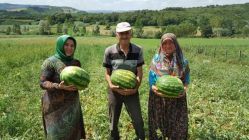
x=128, y=56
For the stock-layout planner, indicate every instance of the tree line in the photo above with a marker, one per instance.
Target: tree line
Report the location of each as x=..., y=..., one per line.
x=210, y=21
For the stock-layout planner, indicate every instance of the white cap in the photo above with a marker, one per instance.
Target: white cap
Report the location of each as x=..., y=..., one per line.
x=122, y=27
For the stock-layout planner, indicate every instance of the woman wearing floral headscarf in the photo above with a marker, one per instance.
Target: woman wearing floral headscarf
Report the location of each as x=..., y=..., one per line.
x=61, y=109
x=168, y=117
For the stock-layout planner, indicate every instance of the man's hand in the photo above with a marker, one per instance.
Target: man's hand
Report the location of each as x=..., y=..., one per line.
x=113, y=87
x=122, y=91
x=126, y=92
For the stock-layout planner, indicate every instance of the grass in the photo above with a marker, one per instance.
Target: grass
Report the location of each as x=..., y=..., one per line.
x=217, y=97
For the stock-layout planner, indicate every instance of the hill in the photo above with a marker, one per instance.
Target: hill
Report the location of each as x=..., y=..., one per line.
x=41, y=9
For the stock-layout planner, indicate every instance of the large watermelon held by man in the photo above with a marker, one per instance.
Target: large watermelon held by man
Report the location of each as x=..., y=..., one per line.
x=124, y=79
x=73, y=75
x=170, y=86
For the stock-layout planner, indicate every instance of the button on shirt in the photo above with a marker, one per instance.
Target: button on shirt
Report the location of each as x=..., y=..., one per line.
x=115, y=59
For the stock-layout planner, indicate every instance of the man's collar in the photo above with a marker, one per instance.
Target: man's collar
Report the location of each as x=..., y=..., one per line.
x=119, y=50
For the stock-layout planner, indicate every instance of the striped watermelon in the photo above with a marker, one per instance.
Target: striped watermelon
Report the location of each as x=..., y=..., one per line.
x=170, y=86
x=73, y=75
x=124, y=79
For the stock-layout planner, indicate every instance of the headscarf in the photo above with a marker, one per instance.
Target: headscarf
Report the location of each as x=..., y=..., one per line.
x=178, y=52
x=160, y=63
x=60, y=52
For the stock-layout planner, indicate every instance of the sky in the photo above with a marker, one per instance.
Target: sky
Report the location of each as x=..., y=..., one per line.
x=124, y=5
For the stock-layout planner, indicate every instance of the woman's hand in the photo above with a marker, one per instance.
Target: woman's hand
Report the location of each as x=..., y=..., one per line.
x=155, y=90
x=67, y=88
x=183, y=93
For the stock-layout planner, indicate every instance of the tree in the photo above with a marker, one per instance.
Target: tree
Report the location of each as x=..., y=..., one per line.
x=158, y=34
x=206, y=31
x=58, y=28
x=187, y=29
x=60, y=18
x=245, y=30
x=172, y=29
x=24, y=29
x=219, y=32
x=75, y=29
x=96, y=30
x=44, y=27
x=138, y=23
x=205, y=27
x=108, y=26
x=65, y=29
x=217, y=21
x=83, y=30
x=27, y=28
x=8, y=30
x=16, y=29
x=139, y=32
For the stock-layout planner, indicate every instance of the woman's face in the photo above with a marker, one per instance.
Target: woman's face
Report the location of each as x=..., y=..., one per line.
x=168, y=47
x=69, y=47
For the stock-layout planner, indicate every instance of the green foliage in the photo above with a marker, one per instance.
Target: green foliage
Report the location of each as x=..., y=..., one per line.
x=158, y=35
x=83, y=30
x=44, y=28
x=65, y=28
x=59, y=29
x=108, y=26
x=206, y=31
x=245, y=30
x=219, y=32
x=60, y=18
x=16, y=29
x=138, y=24
x=75, y=29
x=96, y=30
x=8, y=30
x=138, y=32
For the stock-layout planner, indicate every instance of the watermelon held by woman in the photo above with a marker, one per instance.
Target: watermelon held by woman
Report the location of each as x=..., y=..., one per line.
x=124, y=79
x=73, y=75
x=170, y=86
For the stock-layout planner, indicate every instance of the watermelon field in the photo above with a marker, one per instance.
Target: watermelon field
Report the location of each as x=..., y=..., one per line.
x=218, y=95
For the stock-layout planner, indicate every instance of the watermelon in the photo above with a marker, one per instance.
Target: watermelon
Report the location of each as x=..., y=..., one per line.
x=73, y=75
x=124, y=79
x=170, y=86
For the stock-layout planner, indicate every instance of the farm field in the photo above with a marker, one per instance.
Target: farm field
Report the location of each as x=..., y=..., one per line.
x=218, y=95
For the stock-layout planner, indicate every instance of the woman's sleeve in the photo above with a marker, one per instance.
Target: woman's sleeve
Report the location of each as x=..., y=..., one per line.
x=46, y=76
x=152, y=78
x=187, y=72
x=152, y=75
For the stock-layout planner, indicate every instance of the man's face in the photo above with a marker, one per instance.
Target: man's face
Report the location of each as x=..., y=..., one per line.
x=124, y=37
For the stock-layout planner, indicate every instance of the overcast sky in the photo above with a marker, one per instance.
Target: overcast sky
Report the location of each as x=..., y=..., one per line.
x=125, y=4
